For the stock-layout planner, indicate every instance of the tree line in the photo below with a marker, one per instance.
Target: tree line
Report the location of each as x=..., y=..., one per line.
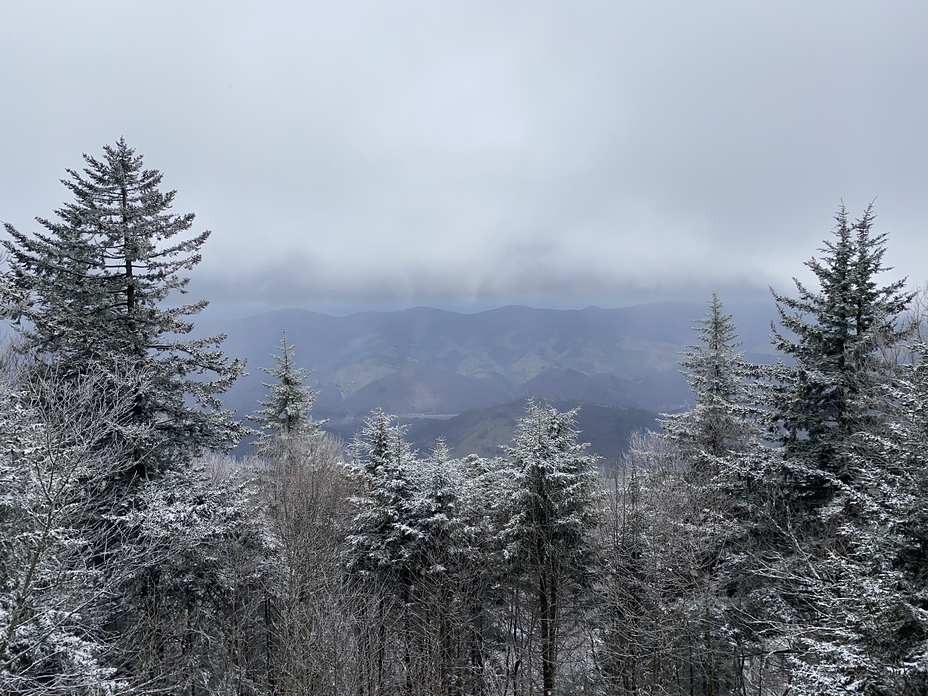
x=771, y=540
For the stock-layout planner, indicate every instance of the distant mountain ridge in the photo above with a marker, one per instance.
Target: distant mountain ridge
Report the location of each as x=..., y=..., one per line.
x=432, y=364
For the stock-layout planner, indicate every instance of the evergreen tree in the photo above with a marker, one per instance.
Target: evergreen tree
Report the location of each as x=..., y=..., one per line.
x=721, y=422
x=383, y=548
x=286, y=412
x=198, y=603
x=91, y=290
x=865, y=627
x=833, y=589
x=832, y=336
x=384, y=542
x=893, y=487
x=552, y=515
x=715, y=446
x=449, y=594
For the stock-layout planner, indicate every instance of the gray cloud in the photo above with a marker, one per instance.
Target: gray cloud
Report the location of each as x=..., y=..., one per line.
x=381, y=154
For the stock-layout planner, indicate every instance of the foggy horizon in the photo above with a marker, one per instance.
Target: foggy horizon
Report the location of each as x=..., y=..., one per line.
x=371, y=156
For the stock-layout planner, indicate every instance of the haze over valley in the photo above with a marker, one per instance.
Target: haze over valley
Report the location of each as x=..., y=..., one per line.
x=466, y=377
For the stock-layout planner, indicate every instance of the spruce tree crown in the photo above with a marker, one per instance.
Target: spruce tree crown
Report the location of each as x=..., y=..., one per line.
x=88, y=294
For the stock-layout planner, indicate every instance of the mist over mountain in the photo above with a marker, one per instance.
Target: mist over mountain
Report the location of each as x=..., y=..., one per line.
x=467, y=376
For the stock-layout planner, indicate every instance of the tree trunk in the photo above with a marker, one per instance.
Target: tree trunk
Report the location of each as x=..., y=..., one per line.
x=548, y=605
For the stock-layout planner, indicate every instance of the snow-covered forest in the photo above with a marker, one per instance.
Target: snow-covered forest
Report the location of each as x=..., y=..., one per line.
x=772, y=540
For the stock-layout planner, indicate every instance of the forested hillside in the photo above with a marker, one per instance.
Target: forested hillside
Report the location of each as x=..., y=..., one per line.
x=441, y=372
x=772, y=538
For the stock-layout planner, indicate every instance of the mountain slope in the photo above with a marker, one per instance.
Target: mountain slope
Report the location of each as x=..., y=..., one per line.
x=429, y=362
x=483, y=431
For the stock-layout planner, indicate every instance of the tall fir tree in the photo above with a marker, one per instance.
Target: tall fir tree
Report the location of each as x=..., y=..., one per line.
x=552, y=515
x=716, y=447
x=286, y=410
x=832, y=335
x=834, y=591
x=90, y=295
x=721, y=422
x=384, y=548
x=384, y=541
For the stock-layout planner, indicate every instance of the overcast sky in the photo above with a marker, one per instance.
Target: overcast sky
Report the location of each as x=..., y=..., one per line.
x=470, y=154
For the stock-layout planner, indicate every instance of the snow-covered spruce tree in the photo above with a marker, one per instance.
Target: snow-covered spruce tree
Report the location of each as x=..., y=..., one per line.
x=453, y=590
x=419, y=558
x=198, y=623
x=90, y=294
x=553, y=512
x=721, y=422
x=823, y=585
x=890, y=541
x=286, y=410
x=383, y=549
x=865, y=622
x=306, y=495
x=715, y=446
x=832, y=336
x=383, y=462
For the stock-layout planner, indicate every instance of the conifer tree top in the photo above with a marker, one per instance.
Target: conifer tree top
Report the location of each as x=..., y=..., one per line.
x=833, y=334
x=91, y=289
x=721, y=380
x=286, y=409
